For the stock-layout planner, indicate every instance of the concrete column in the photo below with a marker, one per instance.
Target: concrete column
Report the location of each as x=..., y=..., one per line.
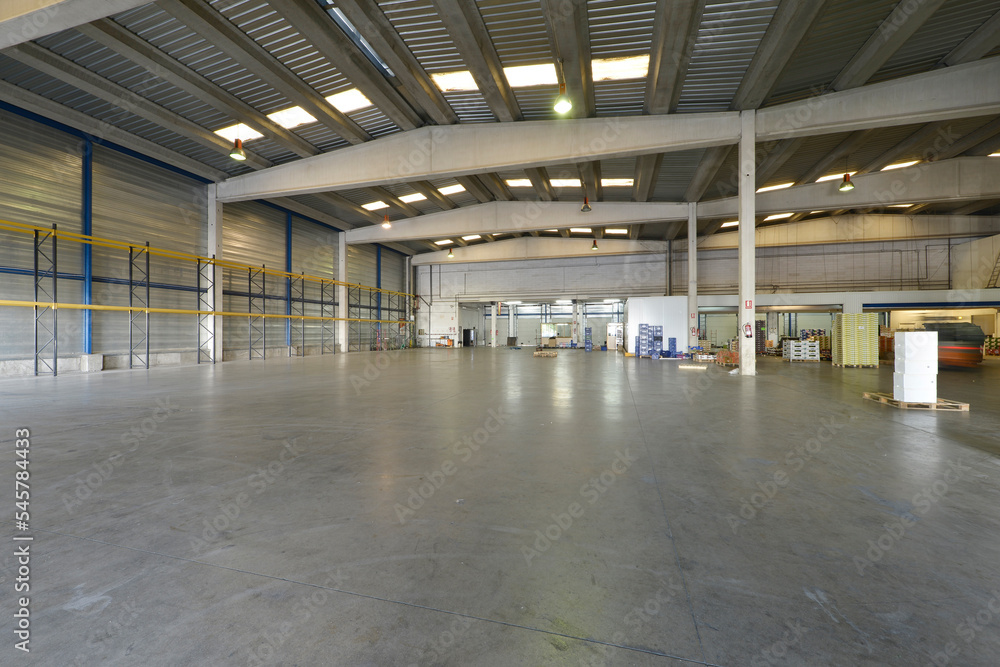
x=747, y=242
x=214, y=249
x=692, y=321
x=511, y=320
x=342, y=290
x=575, y=326
x=772, y=327
x=493, y=324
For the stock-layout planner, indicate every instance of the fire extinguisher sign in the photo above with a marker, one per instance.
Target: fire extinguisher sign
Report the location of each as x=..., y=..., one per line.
x=748, y=304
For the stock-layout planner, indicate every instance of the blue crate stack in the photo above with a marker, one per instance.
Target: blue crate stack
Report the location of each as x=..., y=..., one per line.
x=645, y=338
x=672, y=347
x=588, y=341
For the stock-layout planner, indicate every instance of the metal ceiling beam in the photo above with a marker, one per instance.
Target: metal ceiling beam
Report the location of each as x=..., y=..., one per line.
x=776, y=158
x=518, y=216
x=468, y=31
x=899, y=26
x=216, y=29
x=675, y=31
x=673, y=229
x=958, y=179
x=826, y=164
x=978, y=44
x=547, y=247
x=24, y=21
x=788, y=26
x=312, y=21
x=969, y=209
x=458, y=150
x=113, y=36
x=432, y=194
x=986, y=148
x=919, y=138
x=80, y=77
x=371, y=22
x=978, y=136
x=496, y=186
x=539, y=178
x=590, y=179
x=102, y=131
x=344, y=204
x=475, y=188
x=395, y=202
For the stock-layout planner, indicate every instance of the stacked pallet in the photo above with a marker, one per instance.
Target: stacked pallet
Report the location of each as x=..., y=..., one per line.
x=991, y=346
x=800, y=350
x=855, y=340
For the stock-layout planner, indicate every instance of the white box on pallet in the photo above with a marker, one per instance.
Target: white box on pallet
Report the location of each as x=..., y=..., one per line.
x=909, y=366
x=914, y=388
x=917, y=346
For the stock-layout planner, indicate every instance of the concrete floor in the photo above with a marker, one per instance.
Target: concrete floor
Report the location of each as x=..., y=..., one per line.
x=624, y=513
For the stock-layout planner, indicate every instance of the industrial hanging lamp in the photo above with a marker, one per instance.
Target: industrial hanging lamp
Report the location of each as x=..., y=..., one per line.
x=594, y=246
x=563, y=104
x=238, y=153
x=586, y=205
x=385, y=222
x=451, y=253
x=846, y=185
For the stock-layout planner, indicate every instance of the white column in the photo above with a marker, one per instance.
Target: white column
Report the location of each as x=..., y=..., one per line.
x=342, y=290
x=493, y=324
x=692, y=320
x=747, y=249
x=214, y=249
x=575, y=326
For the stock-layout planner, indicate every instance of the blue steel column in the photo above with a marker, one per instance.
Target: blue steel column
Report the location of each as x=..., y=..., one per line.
x=88, y=225
x=378, y=283
x=288, y=281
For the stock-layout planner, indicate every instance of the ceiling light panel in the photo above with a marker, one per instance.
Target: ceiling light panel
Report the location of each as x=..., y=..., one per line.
x=581, y=230
x=518, y=183
x=899, y=165
x=565, y=182
x=444, y=242
x=292, y=117
x=781, y=186
x=617, y=182
x=452, y=189
x=615, y=230
x=777, y=216
x=374, y=205
x=349, y=100
x=834, y=177
x=239, y=131
x=617, y=69
x=525, y=76
x=409, y=199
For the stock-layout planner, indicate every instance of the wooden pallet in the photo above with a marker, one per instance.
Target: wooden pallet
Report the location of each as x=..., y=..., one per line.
x=813, y=360
x=856, y=365
x=546, y=353
x=942, y=403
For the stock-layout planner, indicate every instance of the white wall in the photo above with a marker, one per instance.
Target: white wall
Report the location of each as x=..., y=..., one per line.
x=670, y=312
x=973, y=262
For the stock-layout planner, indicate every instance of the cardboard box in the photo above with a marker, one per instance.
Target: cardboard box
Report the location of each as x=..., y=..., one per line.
x=917, y=346
x=910, y=366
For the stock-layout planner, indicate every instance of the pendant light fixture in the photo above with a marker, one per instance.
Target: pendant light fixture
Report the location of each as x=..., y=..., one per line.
x=846, y=185
x=385, y=222
x=238, y=153
x=451, y=253
x=562, y=104
x=586, y=205
x=594, y=246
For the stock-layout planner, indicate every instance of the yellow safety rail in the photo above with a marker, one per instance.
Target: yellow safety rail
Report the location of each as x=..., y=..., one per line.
x=184, y=256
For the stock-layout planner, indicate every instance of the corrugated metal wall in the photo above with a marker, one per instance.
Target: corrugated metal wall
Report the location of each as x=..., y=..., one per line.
x=252, y=234
x=393, y=270
x=137, y=202
x=314, y=252
x=361, y=262
x=361, y=269
x=40, y=184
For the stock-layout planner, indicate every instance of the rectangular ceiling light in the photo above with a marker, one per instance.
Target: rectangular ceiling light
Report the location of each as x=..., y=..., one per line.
x=374, y=205
x=524, y=76
x=452, y=189
x=552, y=230
x=615, y=230
x=615, y=69
x=349, y=100
x=611, y=300
x=239, y=131
x=564, y=302
x=997, y=154
x=472, y=237
x=775, y=187
x=777, y=216
x=513, y=303
x=731, y=223
x=409, y=199
x=581, y=230
x=900, y=165
x=444, y=242
x=834, y=177
x=292, y=117
x=617, y=182
x=565, y=182
x=518, y=182
x=815, y=212
x=454, y=82
x=900, y=205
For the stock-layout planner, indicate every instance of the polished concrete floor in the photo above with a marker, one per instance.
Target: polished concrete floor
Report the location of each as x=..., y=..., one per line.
x=484, y=507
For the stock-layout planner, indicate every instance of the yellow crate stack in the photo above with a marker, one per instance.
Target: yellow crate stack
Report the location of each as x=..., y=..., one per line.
x=855, y=339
